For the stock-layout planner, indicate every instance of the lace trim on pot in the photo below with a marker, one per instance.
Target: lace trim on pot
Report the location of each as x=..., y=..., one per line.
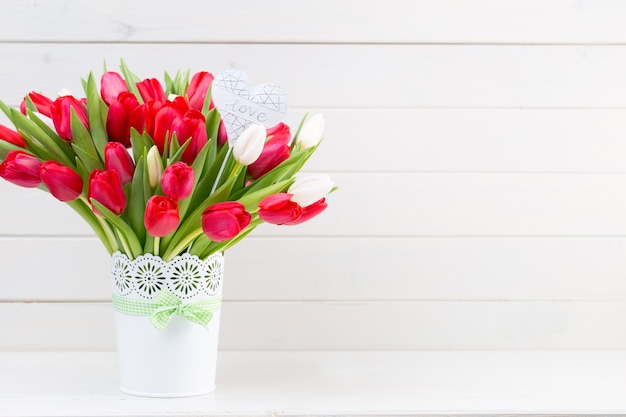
x=186, y=276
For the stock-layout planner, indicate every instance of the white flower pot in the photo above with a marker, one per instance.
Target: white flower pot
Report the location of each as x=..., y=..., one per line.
x=180, y=359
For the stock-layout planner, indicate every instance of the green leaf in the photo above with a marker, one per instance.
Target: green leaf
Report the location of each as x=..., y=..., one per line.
x=38, y=142
x=137, y=202
x=90, y=217
x=82, y=139
x=49, y=134
x=251, y=200
x=88, y=160
x=6, y=147
x=124, y=230
x=131, y=80
x=94, y=113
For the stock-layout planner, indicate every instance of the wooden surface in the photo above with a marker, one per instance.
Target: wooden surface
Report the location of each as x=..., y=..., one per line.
x=479, y=147
x=330, y=384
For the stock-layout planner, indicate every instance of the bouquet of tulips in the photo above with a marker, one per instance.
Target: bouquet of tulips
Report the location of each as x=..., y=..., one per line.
x=152, y=169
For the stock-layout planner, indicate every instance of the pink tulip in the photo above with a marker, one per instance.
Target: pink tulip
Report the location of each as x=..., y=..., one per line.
x=119, y=118
x=106, y=188
x=60, y=113
x=151, y=90
x=222, y=134
x=117, y=158
x=274, y=152
x=11, y=136
x=111, y=86
x=142, y=117
x=279, y=209
x=21, y=168
x=280, y=132
x=62, y=182
x=198, y=89
x=224, y=221
x=161, y=216
x=309, y=212
x=41, y=102
x=177, y=181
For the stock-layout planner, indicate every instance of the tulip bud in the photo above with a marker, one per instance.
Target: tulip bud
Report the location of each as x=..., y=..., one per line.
x=279, y=209
x=155, y=166
x=198, y=88
x=249, y=145
x=280, y=133
x=111, y=85
x=151, y=90
x=224, y=221
x=161, y=216
x=274, y=152
x=119, y=120
x=177, y=181
x=222, y=135
x=106, y=188
x=117, y=158
x=62, y=182
x=11, y=136
x=61, y=112
x=42, y=103
x=21, y=168
x=309, y=212
x=308, y=189
x=312, y=132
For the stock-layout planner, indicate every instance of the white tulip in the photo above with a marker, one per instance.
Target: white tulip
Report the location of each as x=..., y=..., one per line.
x=312, y=132
x=155, y=166
x=308, y=189
x=249, y=145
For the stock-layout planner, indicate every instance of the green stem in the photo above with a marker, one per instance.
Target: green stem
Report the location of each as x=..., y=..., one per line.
x=171, y=253
x=157, y=240
x=83, y=209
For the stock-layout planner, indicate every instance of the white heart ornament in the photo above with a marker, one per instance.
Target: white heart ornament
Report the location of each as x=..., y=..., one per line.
x=240, y=107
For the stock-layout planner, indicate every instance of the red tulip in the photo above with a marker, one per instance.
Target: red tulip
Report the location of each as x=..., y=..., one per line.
x=274, y=152
x=111, y=86
x=119, y=118
x=60, y=113
x=117, y=158
x=151, y=90
x=173, y=119
x=62, y=182
x=198, y=89
x=11, y=136
x=310, y=211
x=280, y=132
x=224, y=221
x=161, y=217
x=177, y=181
x=41, y=102
x=21, y=168
x=279, y=209
x=142, y=117
x=106, y=188
x=222, y=135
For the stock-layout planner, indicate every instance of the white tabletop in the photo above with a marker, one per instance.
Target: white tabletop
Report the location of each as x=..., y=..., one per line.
x=330, y=383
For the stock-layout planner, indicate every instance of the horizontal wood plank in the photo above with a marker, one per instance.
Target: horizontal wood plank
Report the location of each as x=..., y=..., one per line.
x=387, y=204
x=362, y=76
x=349, y=269
x=343, y=325
x=470, y=140
x=561, y=21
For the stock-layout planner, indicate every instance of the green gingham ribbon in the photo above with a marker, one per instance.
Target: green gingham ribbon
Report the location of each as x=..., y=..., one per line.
x=165, y=305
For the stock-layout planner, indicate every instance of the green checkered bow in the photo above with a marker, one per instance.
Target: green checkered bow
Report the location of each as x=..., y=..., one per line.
x=165, y=305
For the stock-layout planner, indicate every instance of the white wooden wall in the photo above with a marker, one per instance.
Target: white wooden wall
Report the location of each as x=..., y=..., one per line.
x=480, y=147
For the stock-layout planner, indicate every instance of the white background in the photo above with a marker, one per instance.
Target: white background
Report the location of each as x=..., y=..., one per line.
x=479, y=147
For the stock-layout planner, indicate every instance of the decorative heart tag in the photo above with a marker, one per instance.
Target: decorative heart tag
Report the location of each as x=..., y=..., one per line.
x=240, y=107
